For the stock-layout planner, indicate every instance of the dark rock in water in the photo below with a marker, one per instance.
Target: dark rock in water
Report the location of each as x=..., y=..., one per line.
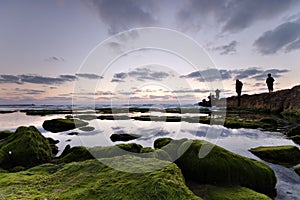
x=283, y=155
x=68, y=140
x=297, y=170
x=60, y=125
x=160, y=142
x=123, y=137
x=75, y=154
x=53, y=146
x=66, y=150
x=87, y=117
x=87, y=128
x=294, y=131
x=296, y=139
x=73, y=133
x=52, y=141
x=225, y=168
x=26, y=147
x=5, y=134
x=131, y=147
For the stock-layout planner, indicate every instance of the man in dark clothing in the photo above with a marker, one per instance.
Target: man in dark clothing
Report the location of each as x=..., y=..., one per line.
x=238, y=89
x=270, y=81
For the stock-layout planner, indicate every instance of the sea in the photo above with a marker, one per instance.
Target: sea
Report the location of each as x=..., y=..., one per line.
x=235, y=140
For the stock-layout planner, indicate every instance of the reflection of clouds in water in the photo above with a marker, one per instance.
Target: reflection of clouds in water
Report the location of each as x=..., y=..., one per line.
x=153, y=134
x=82, y=133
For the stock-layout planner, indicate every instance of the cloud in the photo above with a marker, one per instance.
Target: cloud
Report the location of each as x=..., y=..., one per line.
x=227, y=49
x=245, y=73
x=209, y=75
x=275, y=73
x=191, y=91
x=285, y=36
x=36, y=79
x=231, y=15
x=121, y=15
x=55, y=59
x=141, y=74
x=30, y=91
x=251, y=73
x=89, y=76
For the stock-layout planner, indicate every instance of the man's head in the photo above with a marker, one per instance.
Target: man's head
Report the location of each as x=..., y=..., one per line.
x=269, y=75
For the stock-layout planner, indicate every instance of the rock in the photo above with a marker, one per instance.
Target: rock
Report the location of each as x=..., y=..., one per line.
x=87, y=128
x=297, y=170
x=73, y=133
x=5, y=134
x=93, y=180
x=60, y=125
x=131, y=147
x=160, y=142
x=296, y=139
x=224, y=168
x=74, y=154
x=53, y=146
x=221, y=193
x=276, y=101
x=282, y=155
x=123, y=137
x=87, y=117
x=294, y=131
x=26, y=147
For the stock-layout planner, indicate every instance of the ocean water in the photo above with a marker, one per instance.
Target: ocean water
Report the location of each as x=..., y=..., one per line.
x=236, y=140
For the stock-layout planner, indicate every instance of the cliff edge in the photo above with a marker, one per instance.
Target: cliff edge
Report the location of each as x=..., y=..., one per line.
x=277, y=101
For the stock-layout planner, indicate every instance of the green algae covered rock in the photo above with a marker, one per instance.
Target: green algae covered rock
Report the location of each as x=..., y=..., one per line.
x=93, y=180
x=26, y=147
x=294, y=131
x=283, y=155
x=297, y=170
x=74, y=154
x=224, y=168
x=212, y=192
x=5, y=134
x=60, y=124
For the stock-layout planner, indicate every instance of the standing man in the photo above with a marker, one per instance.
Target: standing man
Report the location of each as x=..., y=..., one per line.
x=238, y=89
x=218, y=94
x=270, y=81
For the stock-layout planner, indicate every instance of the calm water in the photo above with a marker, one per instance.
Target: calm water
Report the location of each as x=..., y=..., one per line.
x=235, y=140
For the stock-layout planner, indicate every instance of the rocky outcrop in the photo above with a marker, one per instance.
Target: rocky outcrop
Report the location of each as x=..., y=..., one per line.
x=26, y=147
x=288, y=99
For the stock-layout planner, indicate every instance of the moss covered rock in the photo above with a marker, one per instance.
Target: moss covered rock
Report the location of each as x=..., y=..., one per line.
x=87, y=128
x=160, y=142
x=123, y=137
x=294, y=131
x=60, y=124
x=5, y=134
x=26, y=147
x=221, y=167
x=93, y=180
x=75, y=154
x=283, y=155
x=296, y=139
x=212, y=192
x=297, y=170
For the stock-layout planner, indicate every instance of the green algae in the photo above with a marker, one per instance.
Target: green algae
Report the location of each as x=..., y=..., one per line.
x=93, y=180
x=282, y=155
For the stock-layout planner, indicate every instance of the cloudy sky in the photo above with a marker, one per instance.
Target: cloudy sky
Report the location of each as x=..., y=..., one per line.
x=43, y=45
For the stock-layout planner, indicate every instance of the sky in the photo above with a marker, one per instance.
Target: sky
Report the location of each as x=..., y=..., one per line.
x=45, y=45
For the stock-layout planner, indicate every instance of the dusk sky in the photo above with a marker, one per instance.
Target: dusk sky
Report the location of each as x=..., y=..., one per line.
x=44, y=43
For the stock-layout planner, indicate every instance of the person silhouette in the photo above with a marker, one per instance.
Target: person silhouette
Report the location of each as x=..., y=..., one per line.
x=270, y=81
x=238, y=89
x=218, y=93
